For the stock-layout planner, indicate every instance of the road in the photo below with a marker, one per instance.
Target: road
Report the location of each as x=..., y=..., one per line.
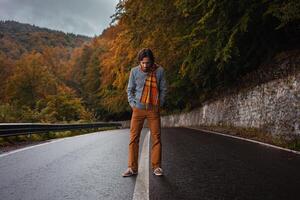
x=197, y=165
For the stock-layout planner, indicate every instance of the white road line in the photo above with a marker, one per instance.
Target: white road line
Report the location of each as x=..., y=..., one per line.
x=249, y=140
x=48, y=142
x=141, y=189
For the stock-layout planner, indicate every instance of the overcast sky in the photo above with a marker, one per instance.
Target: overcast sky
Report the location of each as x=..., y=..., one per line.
x=86, y=17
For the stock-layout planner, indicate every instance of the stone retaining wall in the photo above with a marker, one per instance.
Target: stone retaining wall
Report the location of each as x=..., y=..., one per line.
x=273, y=107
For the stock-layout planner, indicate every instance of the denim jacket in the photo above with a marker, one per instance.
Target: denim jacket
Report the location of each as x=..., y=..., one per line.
x=136, y=83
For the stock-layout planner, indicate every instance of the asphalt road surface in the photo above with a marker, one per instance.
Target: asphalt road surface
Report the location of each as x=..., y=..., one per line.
x=204, y=166
x=197, y=165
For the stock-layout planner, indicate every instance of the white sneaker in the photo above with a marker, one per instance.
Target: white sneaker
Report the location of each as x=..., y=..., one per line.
x=158, y=171
x=129, y=172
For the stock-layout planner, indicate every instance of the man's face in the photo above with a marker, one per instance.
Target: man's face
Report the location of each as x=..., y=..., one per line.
x=146, y=63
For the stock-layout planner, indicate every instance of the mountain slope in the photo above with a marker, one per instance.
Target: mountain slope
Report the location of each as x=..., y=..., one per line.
x=18, y=38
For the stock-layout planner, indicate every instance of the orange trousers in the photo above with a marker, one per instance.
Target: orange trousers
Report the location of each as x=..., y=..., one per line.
x=136, y=125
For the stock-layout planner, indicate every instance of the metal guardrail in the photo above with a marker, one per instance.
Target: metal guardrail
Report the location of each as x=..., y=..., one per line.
x=13, y=129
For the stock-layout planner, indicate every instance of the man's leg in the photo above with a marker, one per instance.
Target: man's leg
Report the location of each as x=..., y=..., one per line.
x=156, y=148
x=136, y=125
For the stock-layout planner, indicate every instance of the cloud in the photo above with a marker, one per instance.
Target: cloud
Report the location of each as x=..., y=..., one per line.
x=88, y=17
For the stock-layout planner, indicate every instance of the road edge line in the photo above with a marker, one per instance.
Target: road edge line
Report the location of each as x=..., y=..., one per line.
x=246, y=139
x=47, y=142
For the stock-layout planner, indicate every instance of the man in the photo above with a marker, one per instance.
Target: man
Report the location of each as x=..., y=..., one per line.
x=146, y=92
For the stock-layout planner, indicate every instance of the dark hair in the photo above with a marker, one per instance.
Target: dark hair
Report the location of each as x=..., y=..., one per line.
x=146, y=52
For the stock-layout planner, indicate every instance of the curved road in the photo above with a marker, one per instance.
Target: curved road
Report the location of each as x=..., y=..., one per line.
x=197, y=165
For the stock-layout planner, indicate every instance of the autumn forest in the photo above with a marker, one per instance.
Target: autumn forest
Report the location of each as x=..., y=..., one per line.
x=205, y=46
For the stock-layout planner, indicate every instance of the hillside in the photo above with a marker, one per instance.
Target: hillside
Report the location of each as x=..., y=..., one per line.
x=17, y=38
x=204, y=46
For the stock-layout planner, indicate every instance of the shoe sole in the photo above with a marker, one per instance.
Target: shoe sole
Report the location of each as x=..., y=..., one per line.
x=129, y=175
x=158, y=174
